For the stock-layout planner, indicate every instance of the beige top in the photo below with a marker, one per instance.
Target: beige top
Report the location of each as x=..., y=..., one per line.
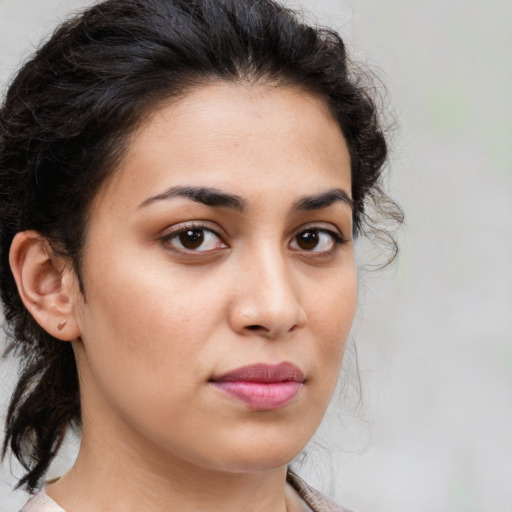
x=314, y=500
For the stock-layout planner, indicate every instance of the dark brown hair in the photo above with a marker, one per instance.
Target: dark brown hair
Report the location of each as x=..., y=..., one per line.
x=64, y=125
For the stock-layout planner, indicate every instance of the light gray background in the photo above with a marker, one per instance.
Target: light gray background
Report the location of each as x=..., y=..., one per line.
x=434, y=335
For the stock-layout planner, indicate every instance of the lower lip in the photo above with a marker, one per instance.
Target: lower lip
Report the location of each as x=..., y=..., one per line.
x=261, y=395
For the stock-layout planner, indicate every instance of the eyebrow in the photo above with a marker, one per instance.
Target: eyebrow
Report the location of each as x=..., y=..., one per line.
x=323, y=200
x=204, y=195
x=214, y=197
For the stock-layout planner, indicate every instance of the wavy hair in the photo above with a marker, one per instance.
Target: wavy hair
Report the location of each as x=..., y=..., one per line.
x=65, y=123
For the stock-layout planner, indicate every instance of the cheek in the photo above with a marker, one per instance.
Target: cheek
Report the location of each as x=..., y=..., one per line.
x=331, y=315
x=143, y=356
x=138, y=322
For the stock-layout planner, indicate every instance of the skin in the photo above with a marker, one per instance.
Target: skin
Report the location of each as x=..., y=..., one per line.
x=158, y=321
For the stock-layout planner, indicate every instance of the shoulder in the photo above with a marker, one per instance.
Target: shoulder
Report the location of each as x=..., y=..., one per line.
x=315, y=499
x=41, y=502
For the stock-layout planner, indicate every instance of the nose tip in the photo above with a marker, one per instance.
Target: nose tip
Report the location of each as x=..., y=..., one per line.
x=268, y=304
x=272, y=330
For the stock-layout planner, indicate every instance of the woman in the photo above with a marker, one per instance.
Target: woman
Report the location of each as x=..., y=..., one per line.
x=181, y=185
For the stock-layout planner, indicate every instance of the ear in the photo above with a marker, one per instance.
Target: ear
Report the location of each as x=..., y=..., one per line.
x=47, y=284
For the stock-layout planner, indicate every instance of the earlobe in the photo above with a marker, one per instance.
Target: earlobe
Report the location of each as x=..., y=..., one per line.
x=46, y=284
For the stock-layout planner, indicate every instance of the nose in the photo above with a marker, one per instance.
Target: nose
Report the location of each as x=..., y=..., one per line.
x=267, y=299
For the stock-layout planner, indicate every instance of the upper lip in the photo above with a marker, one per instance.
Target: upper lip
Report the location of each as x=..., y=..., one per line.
x=265, y=373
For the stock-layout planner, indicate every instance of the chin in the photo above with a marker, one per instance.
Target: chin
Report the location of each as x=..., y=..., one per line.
x=261, y=463
x=259, y=455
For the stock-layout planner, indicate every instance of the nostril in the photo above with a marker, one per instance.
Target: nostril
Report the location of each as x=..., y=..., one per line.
x=254, y=327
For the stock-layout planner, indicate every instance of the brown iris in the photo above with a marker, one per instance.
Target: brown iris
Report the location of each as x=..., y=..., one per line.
x=191, y=238
x=307, y=240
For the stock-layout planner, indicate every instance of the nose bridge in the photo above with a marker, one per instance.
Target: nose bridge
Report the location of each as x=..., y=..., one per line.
x=268, y=300
x=272, y=280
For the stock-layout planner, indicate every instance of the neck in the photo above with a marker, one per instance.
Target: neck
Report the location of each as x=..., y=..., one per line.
x=114, y=473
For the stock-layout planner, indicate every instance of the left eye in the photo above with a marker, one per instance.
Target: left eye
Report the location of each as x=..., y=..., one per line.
x=315, y=240
x=195, y=239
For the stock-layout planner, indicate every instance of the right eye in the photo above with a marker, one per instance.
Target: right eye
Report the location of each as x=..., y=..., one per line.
x=194, y=239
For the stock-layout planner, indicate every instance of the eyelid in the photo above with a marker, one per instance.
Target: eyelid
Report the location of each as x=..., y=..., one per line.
x=329, y=229
x=174, y=231
x=325, y=227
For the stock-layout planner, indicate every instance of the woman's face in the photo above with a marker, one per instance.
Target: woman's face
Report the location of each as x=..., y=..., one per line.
x=219, y=281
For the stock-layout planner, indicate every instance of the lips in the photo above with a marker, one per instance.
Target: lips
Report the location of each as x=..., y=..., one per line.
x=262, y=386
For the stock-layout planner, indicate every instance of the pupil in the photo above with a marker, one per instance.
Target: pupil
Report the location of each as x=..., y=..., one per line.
x=308, y=240
x=191, y=238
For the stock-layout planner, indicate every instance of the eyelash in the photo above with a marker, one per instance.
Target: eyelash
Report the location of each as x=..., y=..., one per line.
x=336, y=239
x=176, y=233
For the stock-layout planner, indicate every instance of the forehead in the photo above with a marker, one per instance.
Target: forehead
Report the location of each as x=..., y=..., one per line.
x=248, y=137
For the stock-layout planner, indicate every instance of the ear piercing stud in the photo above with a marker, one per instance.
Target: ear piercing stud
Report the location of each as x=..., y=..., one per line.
x=61, y=325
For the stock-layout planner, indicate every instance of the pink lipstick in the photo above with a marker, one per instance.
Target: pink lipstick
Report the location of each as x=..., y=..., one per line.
x=262, y=386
